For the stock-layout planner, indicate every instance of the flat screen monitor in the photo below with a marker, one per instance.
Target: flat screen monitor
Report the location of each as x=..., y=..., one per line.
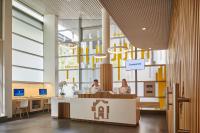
x=18, y=92
x=42, y=91
x=138, y=64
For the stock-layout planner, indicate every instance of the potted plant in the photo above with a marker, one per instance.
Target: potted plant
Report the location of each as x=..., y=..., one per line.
x=61, y=85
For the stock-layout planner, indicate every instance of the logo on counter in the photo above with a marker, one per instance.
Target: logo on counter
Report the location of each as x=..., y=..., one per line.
x=100, y=109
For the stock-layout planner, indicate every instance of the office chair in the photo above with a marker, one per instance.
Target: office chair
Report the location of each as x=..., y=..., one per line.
x=23, y=105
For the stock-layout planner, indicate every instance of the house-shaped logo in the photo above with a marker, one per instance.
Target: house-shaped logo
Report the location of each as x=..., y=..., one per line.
x=100, y=109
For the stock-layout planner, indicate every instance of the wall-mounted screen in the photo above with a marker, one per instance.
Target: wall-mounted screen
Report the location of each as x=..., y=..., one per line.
x=42, y=91
x=18, y=92
x=138, y=64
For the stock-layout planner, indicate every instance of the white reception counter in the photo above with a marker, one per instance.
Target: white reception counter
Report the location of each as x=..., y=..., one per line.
x=108, y=110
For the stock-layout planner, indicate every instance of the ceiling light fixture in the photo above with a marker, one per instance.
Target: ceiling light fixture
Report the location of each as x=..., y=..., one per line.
x=144, y=28
x=71, y=45
x=100, y=56
x=118, y=49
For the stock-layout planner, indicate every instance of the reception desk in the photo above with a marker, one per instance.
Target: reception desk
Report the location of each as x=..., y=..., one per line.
x=101, y=107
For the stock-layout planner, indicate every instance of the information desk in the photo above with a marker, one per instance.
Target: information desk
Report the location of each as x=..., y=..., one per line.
x=121, y=110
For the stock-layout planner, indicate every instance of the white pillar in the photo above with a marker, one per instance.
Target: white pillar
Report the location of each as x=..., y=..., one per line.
x=51, y=52
x=105, y=35
x=7, y=56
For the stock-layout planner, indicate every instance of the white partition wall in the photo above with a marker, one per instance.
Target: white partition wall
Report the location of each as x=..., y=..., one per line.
x=27, y=48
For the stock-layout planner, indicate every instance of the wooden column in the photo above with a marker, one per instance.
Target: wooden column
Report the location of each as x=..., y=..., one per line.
x=106, y=77
x=184, y=60
x=64, y=110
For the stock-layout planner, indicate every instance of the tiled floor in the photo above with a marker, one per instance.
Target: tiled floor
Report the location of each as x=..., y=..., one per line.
x=43, y=123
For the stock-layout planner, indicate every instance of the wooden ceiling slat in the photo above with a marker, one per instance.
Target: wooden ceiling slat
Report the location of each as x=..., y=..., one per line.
x=132, y=15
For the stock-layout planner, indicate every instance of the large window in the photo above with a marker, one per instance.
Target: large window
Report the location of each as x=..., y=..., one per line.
x=27, y=45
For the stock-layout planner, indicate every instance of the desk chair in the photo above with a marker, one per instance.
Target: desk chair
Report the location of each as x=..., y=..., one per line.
x=23, y=105
x=47, y=105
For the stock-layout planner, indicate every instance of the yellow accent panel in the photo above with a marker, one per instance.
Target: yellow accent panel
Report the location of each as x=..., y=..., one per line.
x=125, y=58
x=67, y=74
x=132, y=53
x=120, y=44
x=165, y=75
x=100, y=51
x=93, y=64
x=78, y=54
x=97, y=51
x=87, y=55
x=161, y=86
x=118, y=64
x=73, y=79
x=81, y=57
x=32, y=89
x=148, y=54
x=115, y=55
x=142, y=54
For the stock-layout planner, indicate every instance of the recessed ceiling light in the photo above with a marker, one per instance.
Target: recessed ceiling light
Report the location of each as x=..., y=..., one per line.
x=144, y=28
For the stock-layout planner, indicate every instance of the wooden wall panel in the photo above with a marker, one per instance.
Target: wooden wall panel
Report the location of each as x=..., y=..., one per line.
x=106, y=77
x=184, y=60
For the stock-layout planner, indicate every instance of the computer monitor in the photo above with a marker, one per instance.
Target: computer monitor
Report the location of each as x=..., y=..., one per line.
x=42, y=91
x=19, y=92
x=138, y=64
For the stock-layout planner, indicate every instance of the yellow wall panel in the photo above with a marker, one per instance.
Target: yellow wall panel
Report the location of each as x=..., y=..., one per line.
x=148, y=54
x=67, y=74
x=132, y=53
x=126, y=54
x=93, y=63
x=161, y=86
x=115, y=55
x=97, y=51
x=87, y=55
x=118, y=63
x=32, y=89
x=142, y=54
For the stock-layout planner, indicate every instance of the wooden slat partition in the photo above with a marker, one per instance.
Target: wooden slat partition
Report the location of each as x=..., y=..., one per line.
x=106, y=77
x=107, y=95
x=184, y=60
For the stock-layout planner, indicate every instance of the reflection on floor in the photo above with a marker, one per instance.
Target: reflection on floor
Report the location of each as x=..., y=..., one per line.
x=43, y=123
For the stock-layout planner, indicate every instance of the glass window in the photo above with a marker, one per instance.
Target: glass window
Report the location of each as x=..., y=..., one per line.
x=90, y=75
x=69, y=75
x=68, y=63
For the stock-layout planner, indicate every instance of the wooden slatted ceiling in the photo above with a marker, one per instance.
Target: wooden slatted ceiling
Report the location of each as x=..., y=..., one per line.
x=132, y=15
x=67, y=9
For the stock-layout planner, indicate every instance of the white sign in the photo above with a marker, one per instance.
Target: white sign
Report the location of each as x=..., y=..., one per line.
x=135, y=64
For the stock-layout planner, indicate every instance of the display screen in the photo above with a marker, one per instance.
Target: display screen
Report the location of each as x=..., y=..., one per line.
x=42, y=91
x=18, y=92
x=135, y=64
